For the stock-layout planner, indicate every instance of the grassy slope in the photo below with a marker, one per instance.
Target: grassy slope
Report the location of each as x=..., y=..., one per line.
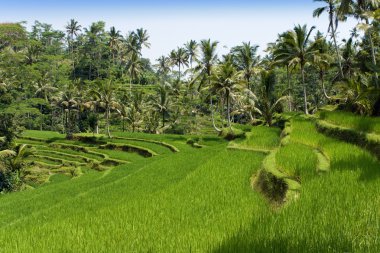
x=337, y=211
x=200, y=200
x=149, y=204
x=349, y=120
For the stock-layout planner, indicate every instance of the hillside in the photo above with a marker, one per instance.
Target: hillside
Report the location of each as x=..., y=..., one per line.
x=200, y=199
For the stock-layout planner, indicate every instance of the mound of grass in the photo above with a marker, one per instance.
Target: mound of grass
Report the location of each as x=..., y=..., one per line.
x=260, y=139
x=296, y=159
x=231, y=133
x=368, y=141
x=164, y=144
x=129, y=148
x=349, y=120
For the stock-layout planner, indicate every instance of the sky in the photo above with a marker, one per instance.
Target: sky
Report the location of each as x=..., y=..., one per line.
x=172, y=23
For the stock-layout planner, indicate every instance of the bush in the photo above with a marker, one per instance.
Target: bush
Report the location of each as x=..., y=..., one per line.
x=232, y=133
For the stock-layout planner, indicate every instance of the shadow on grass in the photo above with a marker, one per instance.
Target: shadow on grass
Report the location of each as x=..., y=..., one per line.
x=54, y=139
x=366, y=164
x=246, y=241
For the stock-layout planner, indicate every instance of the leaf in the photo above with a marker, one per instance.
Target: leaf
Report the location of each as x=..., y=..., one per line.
x=7, y=153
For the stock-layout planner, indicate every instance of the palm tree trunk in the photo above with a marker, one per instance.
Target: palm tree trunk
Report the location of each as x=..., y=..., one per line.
x=228, y=111
x=212, y=117
x=163, y=118
x=323, y=87
x=290, y=92
x=333, y=35
x=108, y=121
x=373, y=56
x=304, y=89
x=179, y=73
x=130, y=86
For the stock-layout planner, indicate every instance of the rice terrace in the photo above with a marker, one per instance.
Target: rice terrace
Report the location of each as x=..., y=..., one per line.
x=179, y=137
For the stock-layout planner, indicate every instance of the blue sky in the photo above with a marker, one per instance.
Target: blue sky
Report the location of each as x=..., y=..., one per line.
x=171, y=23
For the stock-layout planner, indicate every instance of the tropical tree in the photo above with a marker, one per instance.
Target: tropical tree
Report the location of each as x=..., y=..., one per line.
x=246, y=61
x=179, y=58
x=269, y=102
x=322, y=60
x=134, y=68
x=44, y=88
x=12, y=163
x=114, y=41
x=161, y=101
x=142, y=39
x=163, y=66
x=332, y=8
x=72, y=29
x=207, y=60
x=191, y=49
x=225, y=83
x=106, y=94
x=361, y=9
x=68, y=102
x=298, y=50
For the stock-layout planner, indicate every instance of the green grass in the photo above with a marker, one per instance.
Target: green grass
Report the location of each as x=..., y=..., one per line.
x=349, y=120
x=296, y=159
x=200, y=200
x=259, y=138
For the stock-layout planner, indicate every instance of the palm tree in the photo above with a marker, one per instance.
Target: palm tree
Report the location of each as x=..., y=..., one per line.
x=142, y=38
x=163, y=66
x=179, y=57
x=206, y=62
x=72, y=29
x=44, y=88
x=298, y=50
x=360, y=10
x=332, y=8
x=106, y=96
x=191, y=49
x=225, y=82
x=322, y=60
x=161, y=101
x=114, y=41
x=68, y=102
x=268, y=101
x=246, y=61
x=134, y=68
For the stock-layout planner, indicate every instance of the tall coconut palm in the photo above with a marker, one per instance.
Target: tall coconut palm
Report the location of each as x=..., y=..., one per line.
x=332, y=8
x=225, y=83
x=360, y=10
x=322, y=60
x=134, y=68
x=72, y=29
x=179, y=58
x=161, y=101
x=191, y=48
x=44, y=88
x=246, y=61
x=163, y=66
x=268, y=100
x=106, y=93
x=114, y=41
x=207, y=60
x=298, y=50
x=68, y=102
x=142, y=37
